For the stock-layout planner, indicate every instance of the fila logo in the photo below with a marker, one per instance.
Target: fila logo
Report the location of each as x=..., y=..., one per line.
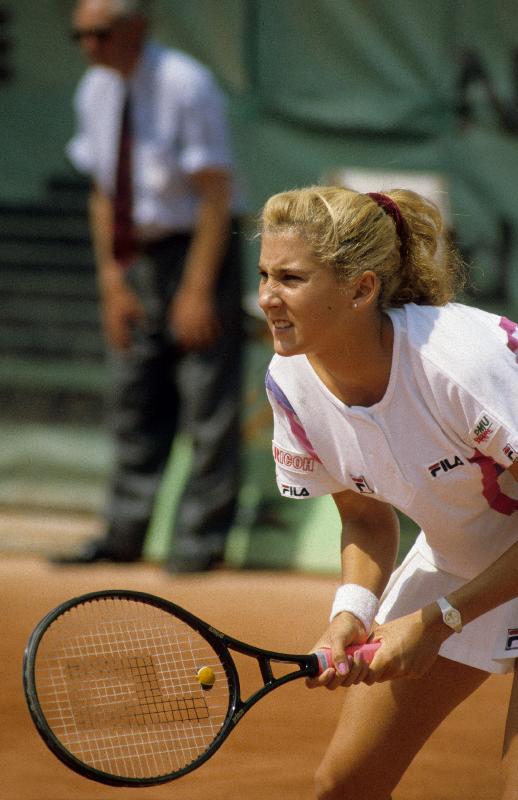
x=512, y=639
x=444, y=466
x=484, y=429
x=361, y=484
x=294, y=491
x=510, y=452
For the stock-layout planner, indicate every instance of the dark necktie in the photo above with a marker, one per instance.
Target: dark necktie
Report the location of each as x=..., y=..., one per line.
x=124, y=243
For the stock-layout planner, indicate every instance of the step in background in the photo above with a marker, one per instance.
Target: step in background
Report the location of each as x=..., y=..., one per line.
x=51, y=346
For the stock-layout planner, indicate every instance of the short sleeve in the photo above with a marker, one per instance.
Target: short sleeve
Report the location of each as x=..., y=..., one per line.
x=80, y=148
x=483, y=404
x=491, y=432
x=205, y=138
x=299, y=470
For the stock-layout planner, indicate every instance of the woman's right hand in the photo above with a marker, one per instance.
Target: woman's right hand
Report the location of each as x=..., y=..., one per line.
x=345, y=629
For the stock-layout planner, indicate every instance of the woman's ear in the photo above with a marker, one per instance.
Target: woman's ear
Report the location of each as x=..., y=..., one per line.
x=366, y=290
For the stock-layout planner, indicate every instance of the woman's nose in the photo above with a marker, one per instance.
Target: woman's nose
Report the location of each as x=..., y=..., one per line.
x=268, y=295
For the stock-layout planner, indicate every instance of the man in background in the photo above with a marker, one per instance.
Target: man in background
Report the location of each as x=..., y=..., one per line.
x=151, y=133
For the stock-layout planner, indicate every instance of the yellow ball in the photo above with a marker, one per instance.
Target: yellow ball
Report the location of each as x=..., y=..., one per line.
x=206, y=676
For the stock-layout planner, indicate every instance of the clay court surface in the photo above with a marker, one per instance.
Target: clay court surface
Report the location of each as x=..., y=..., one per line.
x=276, y=747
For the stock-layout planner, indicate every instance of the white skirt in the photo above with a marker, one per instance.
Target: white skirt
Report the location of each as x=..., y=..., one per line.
x=489, y=643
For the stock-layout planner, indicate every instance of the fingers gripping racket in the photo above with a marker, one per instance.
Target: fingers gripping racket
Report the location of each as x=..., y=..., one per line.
x=129, y=689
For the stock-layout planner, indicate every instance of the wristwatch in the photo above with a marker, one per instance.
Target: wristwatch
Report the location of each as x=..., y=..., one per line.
x=450, y=615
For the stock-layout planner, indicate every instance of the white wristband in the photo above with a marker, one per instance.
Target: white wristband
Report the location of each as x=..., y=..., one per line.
x=358, y=601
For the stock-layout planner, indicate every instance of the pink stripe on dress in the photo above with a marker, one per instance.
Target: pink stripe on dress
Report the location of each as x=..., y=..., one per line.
x=511, y=328
x=491, y=490
x=296, y=426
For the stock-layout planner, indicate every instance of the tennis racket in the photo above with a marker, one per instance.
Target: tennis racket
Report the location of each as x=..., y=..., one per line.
x=129, y=689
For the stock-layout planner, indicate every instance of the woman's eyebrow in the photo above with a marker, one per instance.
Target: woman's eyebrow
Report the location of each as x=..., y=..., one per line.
x=281, y=267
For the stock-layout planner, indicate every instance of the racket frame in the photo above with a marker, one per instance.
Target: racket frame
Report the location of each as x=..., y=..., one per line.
x=222, y=644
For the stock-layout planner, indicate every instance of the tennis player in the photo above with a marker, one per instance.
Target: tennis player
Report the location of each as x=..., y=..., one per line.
x=388, y=395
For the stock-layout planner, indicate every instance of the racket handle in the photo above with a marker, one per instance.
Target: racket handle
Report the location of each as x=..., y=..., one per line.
x=367, y=651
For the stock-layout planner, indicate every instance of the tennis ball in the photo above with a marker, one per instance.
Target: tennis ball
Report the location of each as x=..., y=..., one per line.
x=206, y=677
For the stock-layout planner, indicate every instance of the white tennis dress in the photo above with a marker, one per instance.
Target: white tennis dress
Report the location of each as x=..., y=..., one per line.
x=436, y=447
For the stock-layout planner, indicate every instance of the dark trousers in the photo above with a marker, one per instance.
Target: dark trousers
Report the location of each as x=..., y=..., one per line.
x=158, y=389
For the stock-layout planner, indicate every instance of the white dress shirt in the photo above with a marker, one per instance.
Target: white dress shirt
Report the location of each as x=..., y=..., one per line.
x=179, y=128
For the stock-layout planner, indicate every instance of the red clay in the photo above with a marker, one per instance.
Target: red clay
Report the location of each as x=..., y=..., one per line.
x=276, y=747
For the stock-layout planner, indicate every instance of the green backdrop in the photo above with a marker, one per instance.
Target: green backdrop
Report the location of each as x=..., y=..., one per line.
x=315, y=86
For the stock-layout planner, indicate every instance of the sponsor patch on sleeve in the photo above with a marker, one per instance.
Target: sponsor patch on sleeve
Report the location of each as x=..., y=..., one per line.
x=510, y=451
x=293, y=462
x=484, y=429
x=293, y=491
x=512, y=639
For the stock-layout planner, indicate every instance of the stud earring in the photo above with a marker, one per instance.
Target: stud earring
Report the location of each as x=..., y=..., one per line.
x=355, y=305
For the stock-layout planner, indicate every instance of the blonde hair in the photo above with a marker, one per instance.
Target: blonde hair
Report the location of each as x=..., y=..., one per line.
x=352, y=233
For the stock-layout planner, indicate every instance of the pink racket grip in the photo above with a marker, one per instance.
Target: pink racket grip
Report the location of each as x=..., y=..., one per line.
x=367, y=651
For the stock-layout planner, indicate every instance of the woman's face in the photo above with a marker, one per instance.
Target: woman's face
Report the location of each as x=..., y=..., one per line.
x=303, y=302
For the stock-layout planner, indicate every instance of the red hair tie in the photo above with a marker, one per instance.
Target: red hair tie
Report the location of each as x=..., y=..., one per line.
x=393, y=210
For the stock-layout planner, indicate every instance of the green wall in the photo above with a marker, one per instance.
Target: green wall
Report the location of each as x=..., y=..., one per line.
x=315, y=85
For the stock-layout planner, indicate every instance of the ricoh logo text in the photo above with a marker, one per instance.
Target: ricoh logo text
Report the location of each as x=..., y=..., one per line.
x=294, y=461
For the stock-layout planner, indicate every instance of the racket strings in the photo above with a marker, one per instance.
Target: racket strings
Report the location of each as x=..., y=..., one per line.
x=116, y=681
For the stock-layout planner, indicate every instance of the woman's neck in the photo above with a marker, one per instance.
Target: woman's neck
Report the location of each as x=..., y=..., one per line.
x=359, y=374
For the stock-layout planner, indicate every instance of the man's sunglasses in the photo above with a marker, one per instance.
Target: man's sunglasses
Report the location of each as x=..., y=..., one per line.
x=77, y=34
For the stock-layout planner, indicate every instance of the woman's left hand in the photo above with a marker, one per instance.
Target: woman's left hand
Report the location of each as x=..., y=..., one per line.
x=409, y=646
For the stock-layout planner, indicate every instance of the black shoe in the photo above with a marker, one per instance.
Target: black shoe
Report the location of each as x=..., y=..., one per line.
x=93, y=553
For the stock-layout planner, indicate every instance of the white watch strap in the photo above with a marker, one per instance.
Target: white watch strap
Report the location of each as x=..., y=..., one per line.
x=444, y=605
x=450, y=615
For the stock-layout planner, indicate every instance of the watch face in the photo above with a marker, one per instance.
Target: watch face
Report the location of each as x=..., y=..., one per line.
x=452, y=618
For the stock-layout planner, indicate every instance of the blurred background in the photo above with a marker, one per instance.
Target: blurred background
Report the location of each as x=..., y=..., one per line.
x=373, y=93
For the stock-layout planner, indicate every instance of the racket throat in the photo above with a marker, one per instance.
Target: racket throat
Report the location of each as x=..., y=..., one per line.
x=270, y=680
x=265, y=668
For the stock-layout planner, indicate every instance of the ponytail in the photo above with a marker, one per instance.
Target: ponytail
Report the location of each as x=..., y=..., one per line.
x=430, y=271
